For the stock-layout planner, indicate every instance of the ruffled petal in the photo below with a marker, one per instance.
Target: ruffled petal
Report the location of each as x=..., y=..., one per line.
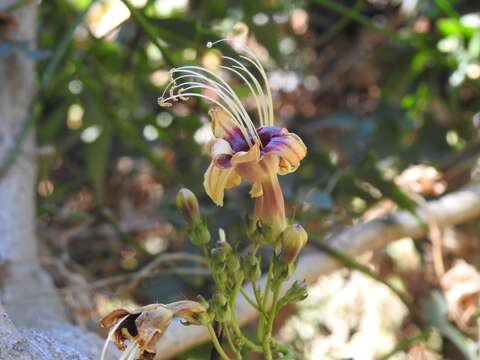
x=290, y=149
x=217, y=179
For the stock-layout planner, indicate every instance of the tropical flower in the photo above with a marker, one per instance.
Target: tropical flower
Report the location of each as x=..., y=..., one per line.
x=143, y=327
x=241, y=149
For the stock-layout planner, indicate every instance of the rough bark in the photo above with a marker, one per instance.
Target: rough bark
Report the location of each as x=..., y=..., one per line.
x=452, y=209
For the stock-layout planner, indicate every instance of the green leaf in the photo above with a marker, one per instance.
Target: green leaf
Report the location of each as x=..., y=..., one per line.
x=449, y=27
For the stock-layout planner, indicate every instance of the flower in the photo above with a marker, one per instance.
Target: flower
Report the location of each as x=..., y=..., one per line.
x=242, y=150
x=143, y=327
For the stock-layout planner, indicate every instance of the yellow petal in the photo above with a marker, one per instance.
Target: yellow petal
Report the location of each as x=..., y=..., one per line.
x=222, y=125
x=253, y=154
x=256, y=190
x=216, y=180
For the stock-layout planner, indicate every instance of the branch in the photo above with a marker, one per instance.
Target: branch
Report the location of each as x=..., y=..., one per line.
x=451, y=209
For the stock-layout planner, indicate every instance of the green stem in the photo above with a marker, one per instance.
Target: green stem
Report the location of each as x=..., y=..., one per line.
x=267, y=339
x=216, y=343
x=233, y=319
x=249, y=300
x=248, y=343
x=232, y=345
x=264, y=302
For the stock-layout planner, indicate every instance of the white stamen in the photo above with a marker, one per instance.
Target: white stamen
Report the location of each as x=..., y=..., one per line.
x=257, y=86
x=235, y=115
x=219, y=82
x=228, y=100
x=256, y=62
x=254, y=94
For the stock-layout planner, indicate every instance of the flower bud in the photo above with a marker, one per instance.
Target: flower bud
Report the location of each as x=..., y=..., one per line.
x=293, y=239
x=296, y=293
x=187, y=202
x=199, y=234
x=219, y=306
x=251, y=268
x=233, y=264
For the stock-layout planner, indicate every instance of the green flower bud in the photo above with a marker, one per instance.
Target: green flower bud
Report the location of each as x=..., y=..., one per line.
x=233, y=265
x=199, y=234
x=251, y=268
x=296, y=293
x=219, y=306
x=293, y=239
x=187, y=202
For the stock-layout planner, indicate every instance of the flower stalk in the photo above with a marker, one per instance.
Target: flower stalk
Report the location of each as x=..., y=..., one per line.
x=241, y=151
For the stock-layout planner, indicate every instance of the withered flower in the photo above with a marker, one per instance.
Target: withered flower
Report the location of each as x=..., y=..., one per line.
x=142, y=328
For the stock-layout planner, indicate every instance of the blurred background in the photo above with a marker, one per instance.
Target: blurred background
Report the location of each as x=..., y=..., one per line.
x=385, y=93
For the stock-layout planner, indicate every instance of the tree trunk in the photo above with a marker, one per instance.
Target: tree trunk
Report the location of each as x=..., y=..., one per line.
x=22, y=276
x=33, y=321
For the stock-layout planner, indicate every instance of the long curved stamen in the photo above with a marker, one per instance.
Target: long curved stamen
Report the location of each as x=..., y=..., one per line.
x=260, y=108
x=260, y=92
x=197, y=85
x=220, y=88
x=218, y=81
x=163, y=102
x=226, y=92
x=256, y=62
